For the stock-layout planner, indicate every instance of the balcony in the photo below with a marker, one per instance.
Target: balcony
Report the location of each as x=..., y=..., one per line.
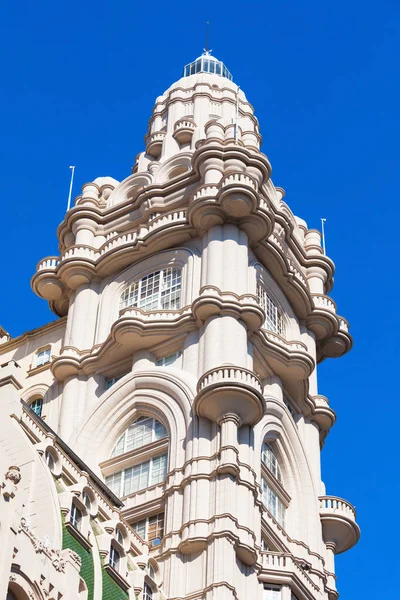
x=339, y=527
x=282, y=568
x=183, y=130
x=230, y=389
x=45, y=282
x=154, y=143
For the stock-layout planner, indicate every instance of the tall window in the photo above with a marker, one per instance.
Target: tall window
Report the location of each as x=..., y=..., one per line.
x=273, y=320
x=270, y=461
x=151, y=529
x=158, y=290
x=75, y=517
x=42, y=357
x=147, y=592
x=37, y=406
x=114, y=558
x=141, y=432
x=138, y=477
x=273, y=503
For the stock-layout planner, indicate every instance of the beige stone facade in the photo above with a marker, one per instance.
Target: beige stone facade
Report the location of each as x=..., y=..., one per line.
x=161, y=439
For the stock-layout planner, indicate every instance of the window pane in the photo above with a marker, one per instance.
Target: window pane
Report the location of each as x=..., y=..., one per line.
x=139, y=434
x=114, y=482
x=159, y=469
x=140, y=528
x=36, y=406
x=136, y=478
x=156, y=529
x=273, y=318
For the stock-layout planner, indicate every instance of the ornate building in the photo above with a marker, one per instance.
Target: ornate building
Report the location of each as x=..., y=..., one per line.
x=161, y=439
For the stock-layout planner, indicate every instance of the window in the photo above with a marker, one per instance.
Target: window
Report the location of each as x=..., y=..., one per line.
x=273, y=503
x=273, y=320
x=86, y=500
x=37, y=406
x=119, y=537
x=75, y=517
x=272, y=592
x=270, y=461
x=50, y=462
x=168, y=360
x=158, y=290
x=151, y=529
x=147, y=592
x=111, y=380
x=42, y=357
x=114, y=558
x=141, y=432
x=291, y=410
x=138, y=477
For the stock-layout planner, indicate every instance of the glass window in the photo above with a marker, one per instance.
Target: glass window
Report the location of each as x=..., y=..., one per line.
x=114, y=558
x=218, y=68
x=168, y=360
x=270, y=461
x=111, y=380
x=272, y=592
x=147, y=592
x=158, y=290
x=151, y=529
x=138, y=477
x=86, y=500
x=141, y=432
x=273, y=504
x=37, y=406
x=43, y=357
x=75, y=517
x=49, y=460
x=273, y=319
x=119, y=536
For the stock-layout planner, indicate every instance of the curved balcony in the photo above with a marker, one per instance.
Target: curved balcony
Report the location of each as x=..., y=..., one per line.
x=339, y=527
x=212, y=302
x=45, y=282
x=154, y=143
x=230, y=389
x=287, y=358
x=183, y=130
x=278, y=567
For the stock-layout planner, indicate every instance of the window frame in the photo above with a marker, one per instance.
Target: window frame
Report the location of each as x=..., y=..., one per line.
x=76, y=523
x=147, y=525
x=149, y=294
x=31, y=404
x=273, y=463
x=114, y=564
x=46, y=352
x=146, y=589
x=122, y=492
x=136, y=423
x=272, y=311
x=278, y=512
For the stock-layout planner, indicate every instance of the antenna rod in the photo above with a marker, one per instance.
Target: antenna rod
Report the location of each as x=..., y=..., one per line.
x=323, y=235
x=70, y=188
x=207, y=34
x=237, y=115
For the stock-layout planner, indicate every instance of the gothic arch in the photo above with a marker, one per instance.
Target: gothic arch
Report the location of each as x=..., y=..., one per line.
x=159, y=393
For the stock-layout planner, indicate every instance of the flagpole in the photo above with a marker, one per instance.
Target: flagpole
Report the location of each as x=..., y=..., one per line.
x=70, y=188
x=323, y=235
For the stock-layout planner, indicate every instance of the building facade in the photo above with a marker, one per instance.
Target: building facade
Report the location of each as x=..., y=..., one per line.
x=161, y=439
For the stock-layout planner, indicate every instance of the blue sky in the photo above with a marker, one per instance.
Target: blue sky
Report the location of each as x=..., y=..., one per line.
x=78, y=81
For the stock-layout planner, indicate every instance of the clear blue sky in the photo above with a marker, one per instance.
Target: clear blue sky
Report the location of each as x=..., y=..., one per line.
x=78, y=81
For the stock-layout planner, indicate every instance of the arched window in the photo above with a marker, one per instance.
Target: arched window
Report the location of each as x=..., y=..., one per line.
x=143, y=431
x=148, y=465
x=273, y=317
x=270, y=461
x=37, y=405
x=75, y=517
x=158, y=290
x=114, y=558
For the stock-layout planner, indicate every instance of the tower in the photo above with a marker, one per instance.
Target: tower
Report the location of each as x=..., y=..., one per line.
x=176, y=400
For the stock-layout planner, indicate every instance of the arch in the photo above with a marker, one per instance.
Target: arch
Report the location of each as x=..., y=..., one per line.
x=22, y=587
x=183, y=159
x=184, y=257
x=166, y=396
x=296, y=472
x=144, y=430
x=129, y=188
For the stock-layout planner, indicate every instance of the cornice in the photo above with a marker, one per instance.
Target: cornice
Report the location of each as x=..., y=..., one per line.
x=28, y=335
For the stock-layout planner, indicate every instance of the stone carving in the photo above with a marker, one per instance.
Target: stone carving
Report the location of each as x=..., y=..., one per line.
x=14, y=474
x=13, y=577
x=58, y=562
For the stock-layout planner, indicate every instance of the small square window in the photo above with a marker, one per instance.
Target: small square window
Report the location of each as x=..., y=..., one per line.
x=42, y=357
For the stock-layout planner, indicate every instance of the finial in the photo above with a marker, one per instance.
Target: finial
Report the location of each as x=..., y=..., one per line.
x=206, y=49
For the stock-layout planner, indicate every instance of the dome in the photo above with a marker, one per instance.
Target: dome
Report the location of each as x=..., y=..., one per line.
x=207, y=64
